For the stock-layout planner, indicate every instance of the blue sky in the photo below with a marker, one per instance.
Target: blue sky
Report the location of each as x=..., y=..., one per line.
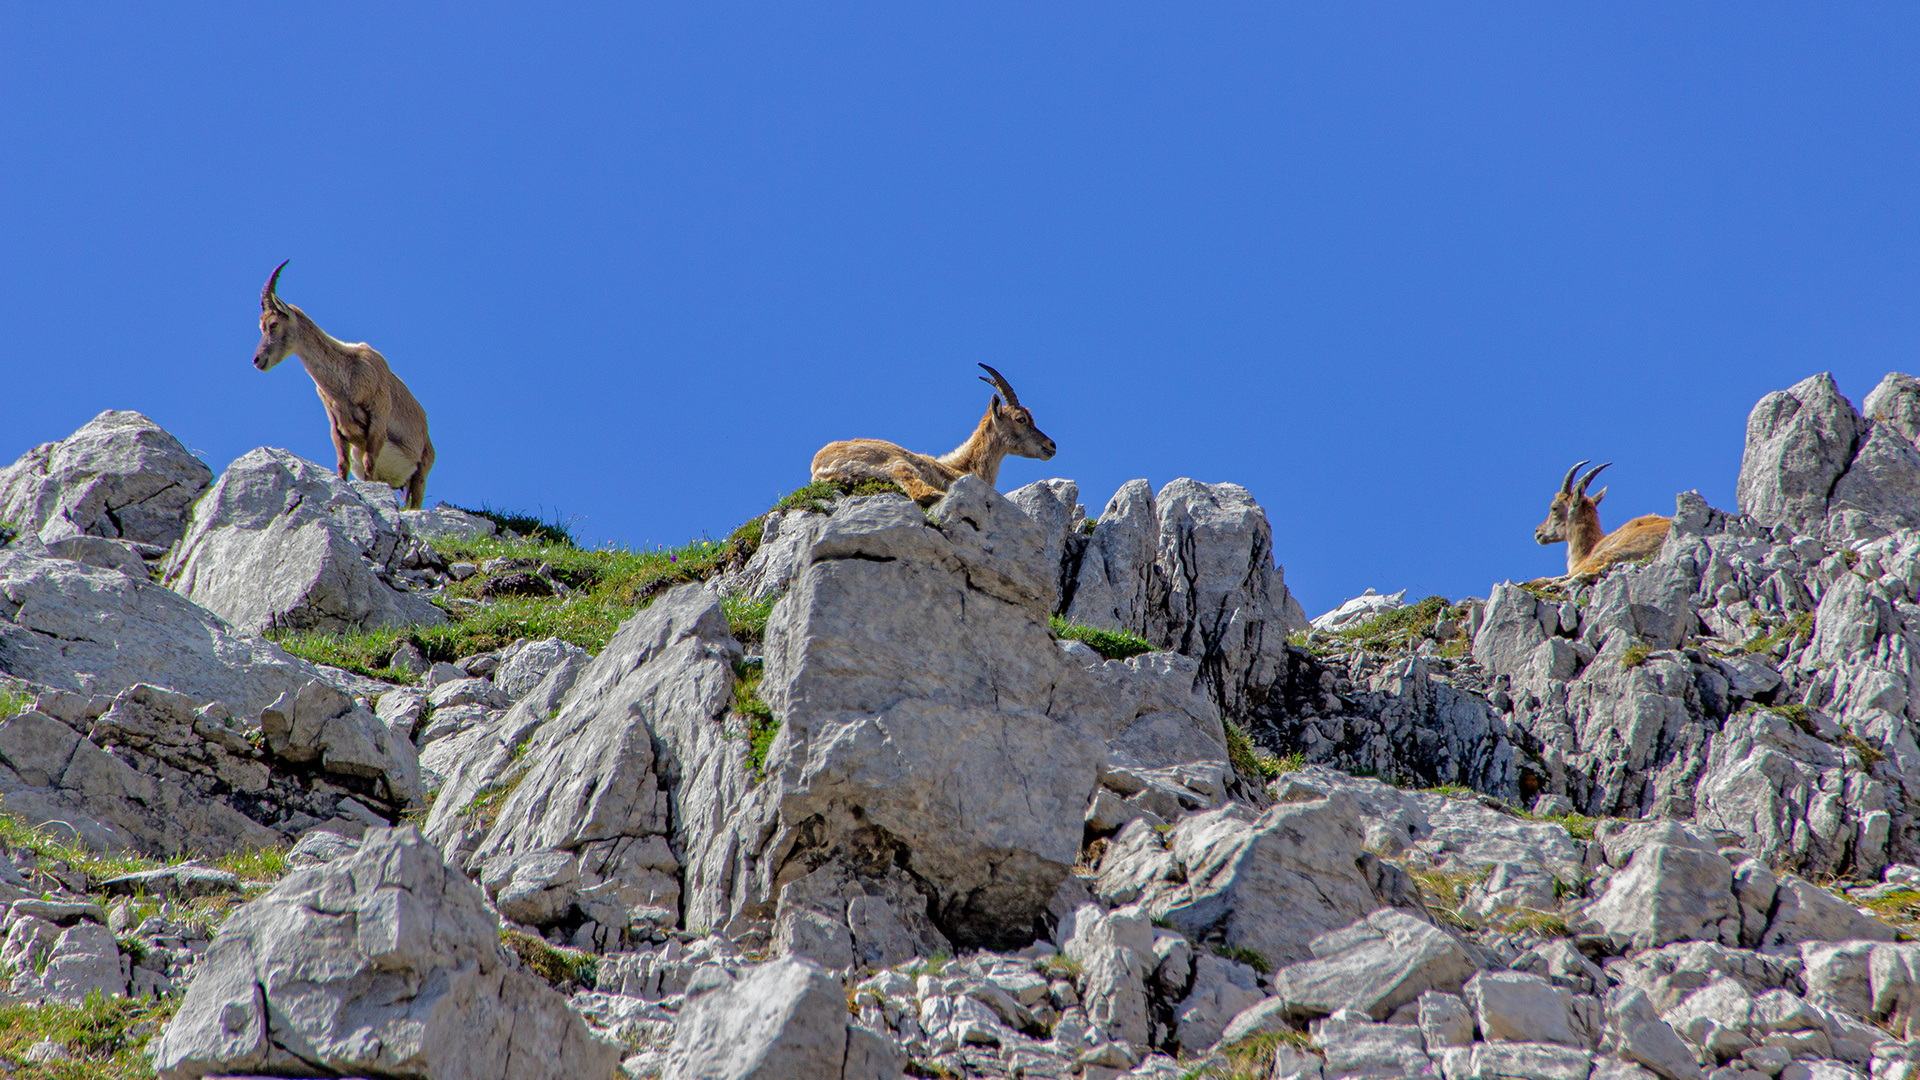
x=1392, y=267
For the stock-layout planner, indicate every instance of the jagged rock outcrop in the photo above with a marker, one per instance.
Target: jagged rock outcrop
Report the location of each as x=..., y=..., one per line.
x=157, y=772
x=74, y=627
x=283, y=543
x=385, y=962
x=1810, y=454
x=120, y=477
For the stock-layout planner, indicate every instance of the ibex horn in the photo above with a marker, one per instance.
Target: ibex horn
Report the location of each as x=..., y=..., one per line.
x=267, y=298
x=1000, y=381
x=1588, y=479
x=1566, y=486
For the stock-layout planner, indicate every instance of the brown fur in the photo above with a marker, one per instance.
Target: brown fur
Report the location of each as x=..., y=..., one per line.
x=1573, y=518
x=369, y=410
x=1006, y=429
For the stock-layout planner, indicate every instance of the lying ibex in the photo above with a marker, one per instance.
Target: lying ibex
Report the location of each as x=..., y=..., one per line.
x=1006, y=429
x=1573, y=518
x=377, y=426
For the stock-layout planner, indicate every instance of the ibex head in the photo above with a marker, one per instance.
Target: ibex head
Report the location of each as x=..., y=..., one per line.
x=276, y=325
x=1571, y=507
x=1013, y=423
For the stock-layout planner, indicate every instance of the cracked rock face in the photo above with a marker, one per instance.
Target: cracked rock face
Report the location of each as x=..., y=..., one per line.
x=120, y=476
x=75, y=627
x=385, y=962
x=280, y=542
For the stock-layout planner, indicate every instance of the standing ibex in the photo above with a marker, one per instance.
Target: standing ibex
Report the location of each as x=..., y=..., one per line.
x=377, y=426
x=1006, y=429
x=1574, y=518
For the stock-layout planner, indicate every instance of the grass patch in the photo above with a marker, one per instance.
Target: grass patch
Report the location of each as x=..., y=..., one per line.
x=1900, y=906
x=1635, y=655
x=1535, y=923
x=1255, y=762
x=1799, y=626
x=762, y=726
x=14, y=702
x=1251, y=1058
x=1451, y=791
x=1798, y=715
x=107, y=1036
x=530, y=526
x=1290, y=763
x=932, y=965
x=562, y=968
x=1445, y=891
x=1059, y=966
x=748, y=618
x=608, y=585
x=1870, y=755
x=820, y=495
x=1110, y=644
x=1395, y=629
x=1242, y=955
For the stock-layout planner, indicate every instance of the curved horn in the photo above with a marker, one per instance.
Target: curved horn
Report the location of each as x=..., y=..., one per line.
x=1566, y=486
x=1000, y=382
x=1588, y=479
x=267, y=297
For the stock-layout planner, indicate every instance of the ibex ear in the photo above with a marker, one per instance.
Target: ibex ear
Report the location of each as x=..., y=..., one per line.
x=998, y=409
x=1602, y=494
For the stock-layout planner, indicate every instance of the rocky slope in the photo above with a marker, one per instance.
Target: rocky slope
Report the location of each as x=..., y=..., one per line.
x=996, y=790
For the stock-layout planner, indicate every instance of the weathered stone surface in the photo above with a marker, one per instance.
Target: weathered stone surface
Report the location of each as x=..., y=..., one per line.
x=1799, y=443
x=119, y=476
x=445, y=521
x=385, y=962
x=1118, y=579
x=1515, y=1007
x=282, y=542
x=784, y=1020
x=530, y=663
x=1274, y=882
x=1670, y=893
x=75, y=627
x=1374, y=966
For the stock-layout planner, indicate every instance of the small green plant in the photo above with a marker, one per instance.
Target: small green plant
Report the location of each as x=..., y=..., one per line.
x=1534, y=923
x=1241, y=955
x=1452, y=791
x=1110, y=644
x=1799, y=715
x=13, y=702
x=932, y=965
x=820, y=495
x=1799, y=626
x=762, y=725
x=1635, y=655
x=562, y=968
x=1059, y=966
x=107, y=1036
x=1251, y=1057
x=1395, y=629
x=255, y=863
x=530, y=526
x=1290, y=763
x=1870, y=755
x=1253, y=762
x=748, y=618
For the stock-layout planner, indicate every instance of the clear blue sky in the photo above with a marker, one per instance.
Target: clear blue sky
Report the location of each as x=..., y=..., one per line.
x=1392, y=267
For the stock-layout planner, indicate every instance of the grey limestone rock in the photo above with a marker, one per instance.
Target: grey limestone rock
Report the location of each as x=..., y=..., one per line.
x=119, y=476
x=445, y=521
x=385, y=962
x=1512, y=1006
x=282, y=542
x=1375, y=966
x=75, y=627
x=783, y=1020
x=1669, y=892
x=1273, y=882
x=1799, y=443
x=1118, y=578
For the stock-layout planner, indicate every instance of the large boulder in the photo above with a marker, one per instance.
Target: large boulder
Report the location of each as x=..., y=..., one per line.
x=784, y=1020
x=1117, y=578
x=385, y=962
x=75, y=627
x=283, y=543
x=1799, y=443
x=120, y=476
x=1375, y=966
x=1275, y=882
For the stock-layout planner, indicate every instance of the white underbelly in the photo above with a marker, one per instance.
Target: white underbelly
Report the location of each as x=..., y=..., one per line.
x=394, y=468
